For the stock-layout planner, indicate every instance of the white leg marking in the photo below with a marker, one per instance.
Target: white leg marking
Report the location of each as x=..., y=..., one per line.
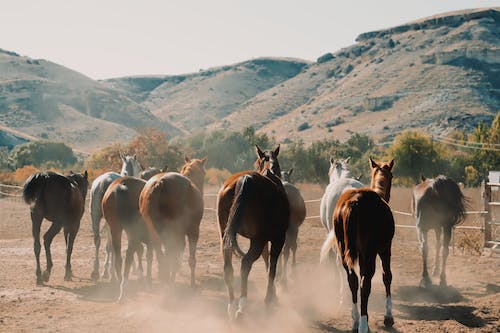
x=363, y=325
x=388, y=307
x=355, y=316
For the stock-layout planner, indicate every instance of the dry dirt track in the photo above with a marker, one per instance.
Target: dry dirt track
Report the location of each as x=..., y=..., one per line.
x=471, y=303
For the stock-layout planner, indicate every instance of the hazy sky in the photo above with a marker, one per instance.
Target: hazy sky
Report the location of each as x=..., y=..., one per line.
x=110, y=38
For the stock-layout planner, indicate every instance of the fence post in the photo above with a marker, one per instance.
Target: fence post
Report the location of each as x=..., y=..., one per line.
x=486, y=195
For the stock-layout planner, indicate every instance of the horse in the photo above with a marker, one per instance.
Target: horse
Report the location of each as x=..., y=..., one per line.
x=151, y=171
x=171, y=205
x=130, y=167
x=253, y=204
x=364, y=227
x=437, y=204
x=297, y=217
x=60, y=200
x=340, y=181
x=120, y=207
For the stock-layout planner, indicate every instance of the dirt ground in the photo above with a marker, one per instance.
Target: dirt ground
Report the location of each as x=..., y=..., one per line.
x=471, y=303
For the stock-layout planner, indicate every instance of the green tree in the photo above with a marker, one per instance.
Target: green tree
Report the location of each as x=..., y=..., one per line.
x=38, y=153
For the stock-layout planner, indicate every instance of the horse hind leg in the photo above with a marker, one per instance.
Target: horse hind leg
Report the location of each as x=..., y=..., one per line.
x=367, y=270
x=276, y=247
x=437, y=267
x=228, y=280
x=70, y=235
x=193, y=241
x=352, y=278
x=36, y=222
x=96, y=219
x=425, y=281
x=108, y=270
x=47, y=240
x=132, y=248
x=446, y=243
x=387, y=278
x=139, y=270
x=255, y=250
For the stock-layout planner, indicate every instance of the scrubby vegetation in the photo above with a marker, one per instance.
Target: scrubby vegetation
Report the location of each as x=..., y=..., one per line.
x=415, y=154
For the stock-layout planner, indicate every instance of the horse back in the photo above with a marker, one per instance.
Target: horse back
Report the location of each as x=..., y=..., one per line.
x=297, y=204
x=121, y=200
x=172, y=197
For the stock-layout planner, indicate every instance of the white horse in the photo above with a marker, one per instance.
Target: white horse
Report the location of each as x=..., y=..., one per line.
x=130, y=167
x=340, y=181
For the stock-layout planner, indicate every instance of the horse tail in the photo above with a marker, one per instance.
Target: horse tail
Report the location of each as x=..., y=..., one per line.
x=327, y=246
x=230, y=241
x=122, y=204
x=32, y=187
x=458, y=203
x=351, y=224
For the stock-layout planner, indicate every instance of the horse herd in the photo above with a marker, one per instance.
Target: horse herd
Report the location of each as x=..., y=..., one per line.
x=161, y=209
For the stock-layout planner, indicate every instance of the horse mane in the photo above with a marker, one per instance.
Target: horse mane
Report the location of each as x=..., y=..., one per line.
x=453, y=197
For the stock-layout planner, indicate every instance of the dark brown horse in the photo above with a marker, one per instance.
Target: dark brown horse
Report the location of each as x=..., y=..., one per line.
x=61, y=200
x=120, y=207
x=151, y=171
x=364, y=227
x=171, y=205
x=438, y=205
x=254, y=205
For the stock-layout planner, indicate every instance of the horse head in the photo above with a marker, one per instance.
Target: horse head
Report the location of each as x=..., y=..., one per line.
x=268, y=160
x=382, y=177
x=81, y=180
x=194, y=169
x=286, y=175
x=338, y=169
x=130, y=166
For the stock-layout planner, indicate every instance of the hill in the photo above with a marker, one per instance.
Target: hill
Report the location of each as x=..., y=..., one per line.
x=48, y=101
x=436, y=74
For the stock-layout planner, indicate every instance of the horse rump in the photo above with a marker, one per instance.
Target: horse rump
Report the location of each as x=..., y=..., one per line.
x=449, y=191
x=32, y=187
x=242, y=190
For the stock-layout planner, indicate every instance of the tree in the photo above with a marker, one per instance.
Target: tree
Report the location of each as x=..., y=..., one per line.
x=38, y=153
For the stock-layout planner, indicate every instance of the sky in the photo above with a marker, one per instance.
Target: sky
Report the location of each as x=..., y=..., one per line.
x=114, y=38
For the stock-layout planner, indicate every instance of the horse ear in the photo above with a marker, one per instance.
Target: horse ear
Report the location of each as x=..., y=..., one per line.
x=165, y=168
x=186, y=158
x=391, y=164
x=135, y=156
x=85, y=174
x=277, y=151
x=71, y=172
x=260, y=153
x=204, y=159
x=122, y=157
x=373, y=164
x=332, y=160
x=422, y=178
x=347, y=160
x=290, y=172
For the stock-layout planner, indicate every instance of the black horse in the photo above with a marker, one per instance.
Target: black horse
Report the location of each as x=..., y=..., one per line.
x=60, y=200
x=438, y=204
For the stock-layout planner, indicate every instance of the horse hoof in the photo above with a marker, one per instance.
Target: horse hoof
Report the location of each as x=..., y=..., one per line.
x=39, y=281
x=443, y=283
x=388, y=321
x=239, y=317
x=105, y=276
x=68, y=276
x=425, y=282
x=45, y=276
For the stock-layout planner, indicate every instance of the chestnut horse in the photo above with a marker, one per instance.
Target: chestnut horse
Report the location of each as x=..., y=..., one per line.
x=120, y=207
x=130, y=167
x=171, y=205
x=364, y=227
x=254, y=205
x=439, y=205
x=60, y=200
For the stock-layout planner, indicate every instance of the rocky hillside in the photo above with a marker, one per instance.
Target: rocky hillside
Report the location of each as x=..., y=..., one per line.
x=48, y=101
x=436, y=74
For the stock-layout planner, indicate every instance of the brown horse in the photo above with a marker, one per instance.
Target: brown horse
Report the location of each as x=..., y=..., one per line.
x=60, y=200
x=364, y=227
x=254, y=205
x=120, y=207
x=439, y=205
x=171, y=205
